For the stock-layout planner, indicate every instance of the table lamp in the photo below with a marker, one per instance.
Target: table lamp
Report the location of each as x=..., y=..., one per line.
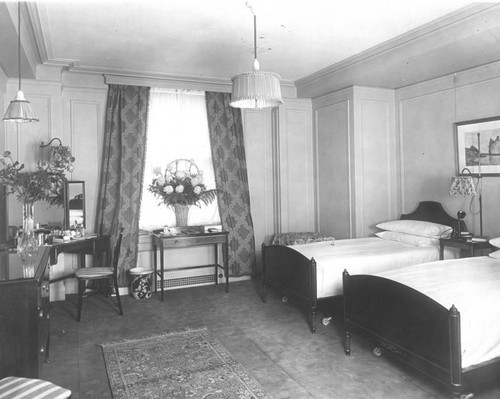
x=463, y=185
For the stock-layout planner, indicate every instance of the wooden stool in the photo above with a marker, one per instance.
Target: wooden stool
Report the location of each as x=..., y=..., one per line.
x=30, y=388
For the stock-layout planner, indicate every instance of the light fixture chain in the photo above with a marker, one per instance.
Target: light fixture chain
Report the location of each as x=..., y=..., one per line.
x=255, y=36
x=19, y=41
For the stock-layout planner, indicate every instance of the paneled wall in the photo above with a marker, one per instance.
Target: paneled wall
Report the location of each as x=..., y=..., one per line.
x=426, y=116
x=356, y=168
x=258, y=136
x=72, y=113
x=332, y=126
x=70, y=107
x=294, y=167
x=279, y=151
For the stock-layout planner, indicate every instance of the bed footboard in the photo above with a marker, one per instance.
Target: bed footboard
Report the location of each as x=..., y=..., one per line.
x=293, y=274
x=405, y=323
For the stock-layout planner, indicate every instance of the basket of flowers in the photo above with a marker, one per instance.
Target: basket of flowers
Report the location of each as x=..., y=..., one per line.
x=181, y=186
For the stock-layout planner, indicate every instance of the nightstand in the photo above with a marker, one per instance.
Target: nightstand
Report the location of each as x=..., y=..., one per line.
x=466, y=244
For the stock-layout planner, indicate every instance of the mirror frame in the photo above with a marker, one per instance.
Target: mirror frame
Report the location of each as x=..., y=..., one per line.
x=67, y=220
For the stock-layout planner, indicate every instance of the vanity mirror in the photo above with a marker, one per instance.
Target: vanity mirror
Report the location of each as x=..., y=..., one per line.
x=74, y=204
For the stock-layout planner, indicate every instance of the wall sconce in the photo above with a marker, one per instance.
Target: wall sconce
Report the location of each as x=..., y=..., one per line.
x=60, y=156
x=50, y=142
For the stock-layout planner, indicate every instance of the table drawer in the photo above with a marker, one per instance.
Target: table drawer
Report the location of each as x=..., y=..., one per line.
x=178, y=241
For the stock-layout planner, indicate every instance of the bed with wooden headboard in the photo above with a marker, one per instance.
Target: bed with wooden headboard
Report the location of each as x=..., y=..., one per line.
x=312, y=272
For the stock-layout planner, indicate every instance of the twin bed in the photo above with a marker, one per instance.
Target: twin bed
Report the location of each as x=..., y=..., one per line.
x=441, y=318
x=312, y=272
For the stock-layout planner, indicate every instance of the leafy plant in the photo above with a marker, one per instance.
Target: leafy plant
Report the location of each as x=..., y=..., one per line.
x=46, y=183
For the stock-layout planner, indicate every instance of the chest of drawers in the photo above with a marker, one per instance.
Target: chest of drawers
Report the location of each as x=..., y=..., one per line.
x=24, y=316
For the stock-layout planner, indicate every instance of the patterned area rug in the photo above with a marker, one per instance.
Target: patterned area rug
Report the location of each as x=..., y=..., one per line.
x=188, y=364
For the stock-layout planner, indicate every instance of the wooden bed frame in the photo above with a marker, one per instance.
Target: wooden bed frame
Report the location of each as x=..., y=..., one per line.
x=408, y=325
x=295, y=275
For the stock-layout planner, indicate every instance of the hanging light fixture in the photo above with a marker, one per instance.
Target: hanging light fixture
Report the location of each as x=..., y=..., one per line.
x=19, y=109
x=256, y=89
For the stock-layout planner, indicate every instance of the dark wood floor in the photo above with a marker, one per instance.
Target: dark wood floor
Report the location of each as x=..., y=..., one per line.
x=271, y=340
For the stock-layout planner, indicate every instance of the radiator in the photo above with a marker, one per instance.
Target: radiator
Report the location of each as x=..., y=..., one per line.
x=189, y=278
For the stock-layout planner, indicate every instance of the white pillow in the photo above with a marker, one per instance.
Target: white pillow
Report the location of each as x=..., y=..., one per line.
x=410, y=239
x=495, y=254
x=495, y=242
x=417, y=227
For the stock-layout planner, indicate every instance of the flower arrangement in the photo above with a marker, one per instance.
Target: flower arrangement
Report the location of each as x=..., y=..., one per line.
x=46, y=183
x=181, y=183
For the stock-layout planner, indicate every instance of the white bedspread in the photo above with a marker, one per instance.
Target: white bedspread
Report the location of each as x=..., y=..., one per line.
x=473, y=286
x=362, y=256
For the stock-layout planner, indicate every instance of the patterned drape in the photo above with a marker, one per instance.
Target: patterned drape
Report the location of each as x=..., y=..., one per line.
x=118, y=203
x=228, y=155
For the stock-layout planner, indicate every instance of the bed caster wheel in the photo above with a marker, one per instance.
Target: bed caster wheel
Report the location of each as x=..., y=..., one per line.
x=284, y=299
x=326, y=320
x=377, y=351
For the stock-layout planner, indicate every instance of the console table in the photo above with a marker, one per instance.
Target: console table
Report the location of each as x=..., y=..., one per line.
x=91, y=245
x=163, y=241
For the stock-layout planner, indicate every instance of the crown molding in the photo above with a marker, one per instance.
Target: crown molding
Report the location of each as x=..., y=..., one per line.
x=135, y=78
x=41, y=35
x=392, y=44
x=174, y=81
x=478, y=75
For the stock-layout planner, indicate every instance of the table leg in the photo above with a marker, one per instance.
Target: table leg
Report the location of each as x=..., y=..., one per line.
x=82, y=260
x=216, y=263
x=161, y=270
x=155, y=266
x=441, y=251
x=225, y=257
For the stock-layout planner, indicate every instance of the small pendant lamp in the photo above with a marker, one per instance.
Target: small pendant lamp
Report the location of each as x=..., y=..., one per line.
x=256, y=89
x=19, y=109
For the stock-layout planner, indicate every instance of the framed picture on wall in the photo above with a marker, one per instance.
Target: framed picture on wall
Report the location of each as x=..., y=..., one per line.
x=478, y=146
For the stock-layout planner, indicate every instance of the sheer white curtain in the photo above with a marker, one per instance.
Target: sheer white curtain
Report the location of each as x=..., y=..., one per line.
x=177, y=129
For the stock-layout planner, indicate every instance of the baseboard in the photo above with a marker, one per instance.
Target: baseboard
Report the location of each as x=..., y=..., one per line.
x=60, y=293
x=126, y=290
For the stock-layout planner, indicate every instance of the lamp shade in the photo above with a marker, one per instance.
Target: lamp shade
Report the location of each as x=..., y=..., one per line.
x=462, y=185
x=19, y=110
x=256, y=90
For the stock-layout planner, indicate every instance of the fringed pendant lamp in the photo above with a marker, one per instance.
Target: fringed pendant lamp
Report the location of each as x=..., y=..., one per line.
x=19, y=109
x=256, y=89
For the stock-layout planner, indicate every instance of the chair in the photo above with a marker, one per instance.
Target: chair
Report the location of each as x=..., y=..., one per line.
x=100, y=273
x=31, y=388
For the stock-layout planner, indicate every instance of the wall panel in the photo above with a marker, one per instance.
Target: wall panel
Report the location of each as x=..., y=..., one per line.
x=86, y=138
x=355, y=160
x=258, y=150
x=374, y=146
x=295, y=166
x=333, y=159
x=24, y=140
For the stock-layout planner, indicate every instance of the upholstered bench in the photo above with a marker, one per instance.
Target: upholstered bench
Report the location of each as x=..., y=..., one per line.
x=30, y=388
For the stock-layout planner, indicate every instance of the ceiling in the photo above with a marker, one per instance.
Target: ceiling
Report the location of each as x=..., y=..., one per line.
x=213, y=39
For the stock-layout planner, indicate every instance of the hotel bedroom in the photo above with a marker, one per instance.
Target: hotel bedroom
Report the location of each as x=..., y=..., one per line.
x=380, y=112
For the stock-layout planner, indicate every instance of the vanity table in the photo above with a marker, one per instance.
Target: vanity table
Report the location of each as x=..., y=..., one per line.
x=94, y=245
x=24, y=315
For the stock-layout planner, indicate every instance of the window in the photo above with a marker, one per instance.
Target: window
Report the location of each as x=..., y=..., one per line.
x=177, y=129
